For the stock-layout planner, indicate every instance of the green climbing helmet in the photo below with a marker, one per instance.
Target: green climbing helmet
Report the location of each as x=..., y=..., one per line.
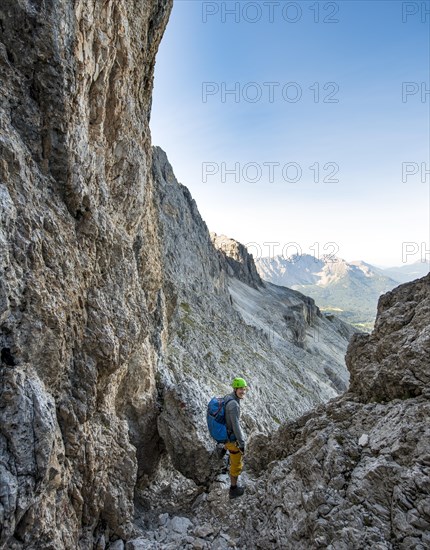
x=239, y=383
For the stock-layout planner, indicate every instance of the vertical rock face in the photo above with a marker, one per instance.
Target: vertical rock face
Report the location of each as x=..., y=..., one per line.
x=80, y=292
x=237, y=259
x=392, y=362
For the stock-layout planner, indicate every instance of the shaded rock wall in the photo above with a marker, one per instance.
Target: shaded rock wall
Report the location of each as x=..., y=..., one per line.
x=80, y=293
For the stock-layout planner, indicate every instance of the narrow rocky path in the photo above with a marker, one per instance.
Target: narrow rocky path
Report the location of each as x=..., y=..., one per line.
x=174, y=514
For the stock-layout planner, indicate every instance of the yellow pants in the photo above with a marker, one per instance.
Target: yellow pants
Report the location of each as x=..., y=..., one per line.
x=236, y=462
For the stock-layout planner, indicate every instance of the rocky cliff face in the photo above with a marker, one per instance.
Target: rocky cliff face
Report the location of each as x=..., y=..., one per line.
x=80, y=306
x=238, y=262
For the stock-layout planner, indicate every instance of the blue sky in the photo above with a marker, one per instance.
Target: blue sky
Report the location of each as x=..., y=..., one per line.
x=316, y=143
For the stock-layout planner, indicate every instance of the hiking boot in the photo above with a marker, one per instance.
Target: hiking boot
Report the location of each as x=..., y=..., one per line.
x=236, y=491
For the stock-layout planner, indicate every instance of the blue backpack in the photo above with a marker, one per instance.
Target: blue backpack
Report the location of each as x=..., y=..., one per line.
x=216, y=418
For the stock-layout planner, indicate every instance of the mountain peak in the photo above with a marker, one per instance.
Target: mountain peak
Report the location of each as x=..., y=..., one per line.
x=237, y=260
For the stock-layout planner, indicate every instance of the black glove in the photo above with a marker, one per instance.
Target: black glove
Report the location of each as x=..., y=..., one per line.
x=241, y=448
x=220, y=450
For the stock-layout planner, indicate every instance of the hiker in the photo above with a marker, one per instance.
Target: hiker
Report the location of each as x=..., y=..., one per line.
x=236, y=444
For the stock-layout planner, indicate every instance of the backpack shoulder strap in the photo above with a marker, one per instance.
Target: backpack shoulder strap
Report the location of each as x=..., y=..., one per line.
x=227, y=400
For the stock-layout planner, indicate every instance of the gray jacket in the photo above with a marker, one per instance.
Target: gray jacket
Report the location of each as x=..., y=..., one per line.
x=232, y=416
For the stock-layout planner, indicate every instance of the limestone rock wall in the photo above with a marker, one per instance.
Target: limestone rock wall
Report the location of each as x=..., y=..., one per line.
x=238, y=261
x=81, y=308
x=392, y=362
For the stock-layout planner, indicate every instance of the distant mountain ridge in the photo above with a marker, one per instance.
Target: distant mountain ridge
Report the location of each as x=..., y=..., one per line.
x=406, y=273
x=350, y=289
